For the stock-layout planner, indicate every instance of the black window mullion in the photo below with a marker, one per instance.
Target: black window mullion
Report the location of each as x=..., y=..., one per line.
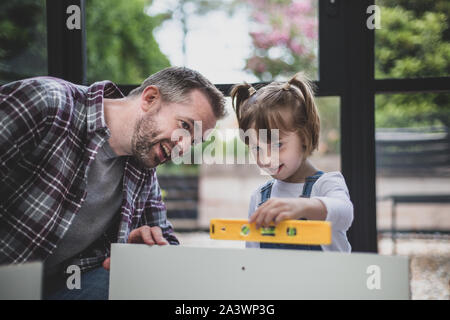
x=66, y=48
x=331, y=47
x=346, y=52
x=436, y=84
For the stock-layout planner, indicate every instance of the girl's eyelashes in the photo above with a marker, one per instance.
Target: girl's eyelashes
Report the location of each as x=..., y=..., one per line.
x=278, y=145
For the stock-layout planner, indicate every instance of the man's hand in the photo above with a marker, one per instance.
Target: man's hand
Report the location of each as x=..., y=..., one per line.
x=145, y=234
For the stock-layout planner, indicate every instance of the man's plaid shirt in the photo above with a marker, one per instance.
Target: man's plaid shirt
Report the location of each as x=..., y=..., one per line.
x=50, y=131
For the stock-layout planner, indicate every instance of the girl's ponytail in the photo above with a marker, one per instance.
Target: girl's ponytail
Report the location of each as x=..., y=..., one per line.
x=306, y=88
x=239, y=94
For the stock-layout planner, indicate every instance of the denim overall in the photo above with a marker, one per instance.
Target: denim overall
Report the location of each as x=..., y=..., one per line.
x=307, y=187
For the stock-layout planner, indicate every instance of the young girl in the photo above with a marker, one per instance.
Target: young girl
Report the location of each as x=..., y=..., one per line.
x=298, y=189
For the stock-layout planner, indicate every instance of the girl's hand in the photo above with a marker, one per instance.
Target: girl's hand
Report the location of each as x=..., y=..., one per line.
x=276, y=210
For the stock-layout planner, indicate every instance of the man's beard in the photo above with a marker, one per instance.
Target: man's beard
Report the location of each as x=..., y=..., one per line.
x=143, y=141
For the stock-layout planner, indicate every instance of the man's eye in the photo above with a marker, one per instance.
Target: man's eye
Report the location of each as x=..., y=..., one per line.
x=185, y=125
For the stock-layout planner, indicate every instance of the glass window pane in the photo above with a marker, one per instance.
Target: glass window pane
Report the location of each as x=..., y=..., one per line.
x=23, y=39
x=328, y=157
x=120, y=42
x=414, y=39
x=227, y=41
x=413, y=161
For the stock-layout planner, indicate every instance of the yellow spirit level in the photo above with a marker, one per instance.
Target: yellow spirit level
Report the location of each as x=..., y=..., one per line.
x=288, y=231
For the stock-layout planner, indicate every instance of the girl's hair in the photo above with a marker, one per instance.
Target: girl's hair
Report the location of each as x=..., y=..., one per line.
x=287, y=106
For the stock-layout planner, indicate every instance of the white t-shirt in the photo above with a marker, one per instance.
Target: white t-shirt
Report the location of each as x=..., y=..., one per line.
x=331, y=189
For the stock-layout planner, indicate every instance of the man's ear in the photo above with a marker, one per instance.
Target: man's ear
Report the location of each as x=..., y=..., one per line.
x=149, y=96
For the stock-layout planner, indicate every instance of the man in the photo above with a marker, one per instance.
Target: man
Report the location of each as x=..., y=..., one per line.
x=77, y=169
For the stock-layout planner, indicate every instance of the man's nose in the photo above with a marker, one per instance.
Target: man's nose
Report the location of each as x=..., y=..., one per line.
x=184, y=143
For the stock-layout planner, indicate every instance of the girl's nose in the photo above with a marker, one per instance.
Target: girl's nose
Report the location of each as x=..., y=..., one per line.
x=264, y=160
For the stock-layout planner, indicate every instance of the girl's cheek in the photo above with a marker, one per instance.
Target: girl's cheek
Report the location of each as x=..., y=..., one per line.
x=276, y=160
x=282, y=154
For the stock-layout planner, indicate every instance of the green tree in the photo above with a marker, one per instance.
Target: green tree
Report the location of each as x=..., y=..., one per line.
x=414, y=41
x=120, y=42
x=23, y=42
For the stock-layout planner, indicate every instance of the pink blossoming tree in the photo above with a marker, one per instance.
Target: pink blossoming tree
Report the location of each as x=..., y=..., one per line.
x=284, y=37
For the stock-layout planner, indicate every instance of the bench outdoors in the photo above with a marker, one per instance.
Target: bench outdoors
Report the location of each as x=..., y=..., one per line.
x=180, y=195
x=413, y=152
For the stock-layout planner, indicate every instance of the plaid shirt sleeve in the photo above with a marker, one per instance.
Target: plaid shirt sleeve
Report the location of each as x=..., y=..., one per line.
x=22, y=122
x=28, y=213
x=155, y=213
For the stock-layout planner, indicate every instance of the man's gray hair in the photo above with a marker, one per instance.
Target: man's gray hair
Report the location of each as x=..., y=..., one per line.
x=175, y=84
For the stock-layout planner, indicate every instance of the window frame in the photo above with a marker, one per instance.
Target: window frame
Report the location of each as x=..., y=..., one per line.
x=346, y=70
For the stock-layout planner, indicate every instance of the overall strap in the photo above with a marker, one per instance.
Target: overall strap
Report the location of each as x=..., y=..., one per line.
x=307, y=187
x=266, y=191
x=309, y=183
